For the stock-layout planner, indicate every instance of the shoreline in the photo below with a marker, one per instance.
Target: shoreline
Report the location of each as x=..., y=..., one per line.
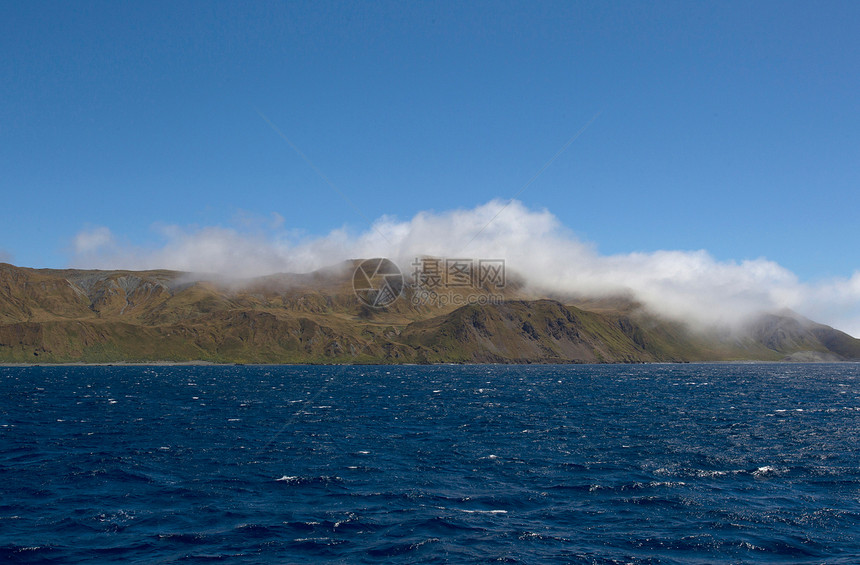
x=116, y=364
x=214, y=364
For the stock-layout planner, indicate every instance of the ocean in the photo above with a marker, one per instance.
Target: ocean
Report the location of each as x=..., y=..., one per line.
x=692, y=463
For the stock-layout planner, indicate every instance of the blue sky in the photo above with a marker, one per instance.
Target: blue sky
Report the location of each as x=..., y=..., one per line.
x=732, y=127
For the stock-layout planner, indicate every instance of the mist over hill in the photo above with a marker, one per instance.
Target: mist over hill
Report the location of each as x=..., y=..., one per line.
x=53, y=316
x=687, y=285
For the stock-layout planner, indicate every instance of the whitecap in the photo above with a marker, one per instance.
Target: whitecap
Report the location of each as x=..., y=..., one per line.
x=765, y=470
x=710, y=473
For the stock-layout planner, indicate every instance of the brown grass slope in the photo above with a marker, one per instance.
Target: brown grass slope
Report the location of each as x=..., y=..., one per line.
x=111, y=316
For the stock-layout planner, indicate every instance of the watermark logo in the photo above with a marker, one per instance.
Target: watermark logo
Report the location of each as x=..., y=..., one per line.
x=436, y=282
x=377, y=282
x=458, y=282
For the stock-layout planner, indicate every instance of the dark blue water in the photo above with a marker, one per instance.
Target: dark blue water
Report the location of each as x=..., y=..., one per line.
x=518, y=464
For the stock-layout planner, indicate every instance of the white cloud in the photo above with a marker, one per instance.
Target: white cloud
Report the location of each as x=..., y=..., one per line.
x=93, y=240
x=688, y=285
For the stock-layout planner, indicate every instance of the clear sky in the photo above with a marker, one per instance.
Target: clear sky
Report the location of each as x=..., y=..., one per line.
x=732, y=127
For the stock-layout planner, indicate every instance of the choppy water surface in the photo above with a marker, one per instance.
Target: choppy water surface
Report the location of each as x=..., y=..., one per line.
x=459, y=464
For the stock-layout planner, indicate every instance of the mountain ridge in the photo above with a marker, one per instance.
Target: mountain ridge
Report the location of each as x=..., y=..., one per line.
x=74, y=315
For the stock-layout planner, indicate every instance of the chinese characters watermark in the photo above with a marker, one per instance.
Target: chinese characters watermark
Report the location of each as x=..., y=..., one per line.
x=435, y=281
x=457, y=282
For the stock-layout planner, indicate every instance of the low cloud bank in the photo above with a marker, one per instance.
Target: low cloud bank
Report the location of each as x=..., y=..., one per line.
x=686, y=285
